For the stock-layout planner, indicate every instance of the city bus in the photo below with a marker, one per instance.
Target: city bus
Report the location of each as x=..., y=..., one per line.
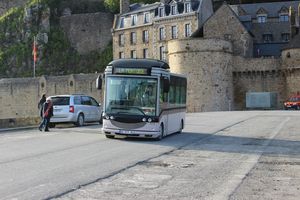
x=142, y=98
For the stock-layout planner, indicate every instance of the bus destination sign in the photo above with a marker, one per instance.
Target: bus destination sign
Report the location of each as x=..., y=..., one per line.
x=130, y=70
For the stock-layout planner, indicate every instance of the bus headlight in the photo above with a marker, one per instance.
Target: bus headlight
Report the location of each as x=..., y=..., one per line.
x=112, y=117
x=144, y=119
x=149, y=120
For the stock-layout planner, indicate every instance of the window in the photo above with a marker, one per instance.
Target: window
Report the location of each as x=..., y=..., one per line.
x=173, y=10
x=267, y=38
x=285, y=37
x=133, y=37
x=121, y=54
x=187, y=30
x=161, y=33
x=161, y=12
x=146, y=18
x=133, y=20
x=145, y=53
x=145, y=36
x=177, y=93
x=284, y=18
x=174, y=32
x=262, y=19
x=86, y=101
x=121, y=40
x=121, y=25
x=187, y=7
x=162, y=55
x=133, y=53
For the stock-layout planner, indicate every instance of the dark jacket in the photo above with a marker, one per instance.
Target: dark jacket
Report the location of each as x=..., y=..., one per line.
x=41, y=104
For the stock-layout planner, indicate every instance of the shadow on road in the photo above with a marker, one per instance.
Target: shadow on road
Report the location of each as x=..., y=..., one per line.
x=229, y=144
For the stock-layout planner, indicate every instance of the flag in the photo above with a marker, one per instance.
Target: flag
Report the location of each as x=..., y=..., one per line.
x=34, y=52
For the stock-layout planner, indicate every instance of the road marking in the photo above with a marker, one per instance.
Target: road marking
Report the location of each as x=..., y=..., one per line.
x=245, y=168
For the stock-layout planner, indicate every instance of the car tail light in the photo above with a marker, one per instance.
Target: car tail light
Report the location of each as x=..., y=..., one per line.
x=71, y=109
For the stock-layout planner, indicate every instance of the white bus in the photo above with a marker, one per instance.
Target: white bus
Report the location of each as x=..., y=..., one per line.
x=142, y=99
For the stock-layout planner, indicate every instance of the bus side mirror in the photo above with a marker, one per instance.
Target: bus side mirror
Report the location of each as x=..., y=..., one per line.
x=99, y=82
x=166, y=87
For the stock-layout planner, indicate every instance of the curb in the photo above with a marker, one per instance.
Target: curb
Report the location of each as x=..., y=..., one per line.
x=17, y=128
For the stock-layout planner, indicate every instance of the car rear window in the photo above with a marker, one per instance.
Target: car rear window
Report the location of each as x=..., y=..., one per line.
x=60, y=101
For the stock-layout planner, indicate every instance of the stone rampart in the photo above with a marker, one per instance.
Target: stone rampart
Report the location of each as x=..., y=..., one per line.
x=19, y=97
x=257, y=75
x=88, y=32
x=207, y=63
x=241, y=64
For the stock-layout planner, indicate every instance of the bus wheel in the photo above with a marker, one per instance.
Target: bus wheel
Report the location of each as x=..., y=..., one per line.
x=181, y=127
x=110, y=136
x=161, y=132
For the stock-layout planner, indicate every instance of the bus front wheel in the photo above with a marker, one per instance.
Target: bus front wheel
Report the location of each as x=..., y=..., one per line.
x=110, y=136
x=161, y=132
x=181, y=127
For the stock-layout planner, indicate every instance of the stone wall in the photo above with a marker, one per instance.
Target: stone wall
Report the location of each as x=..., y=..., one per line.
x=19, y=97
x=5, y=5
x=207, y=63
x=225, y=25
x=88, y=32
x=257, y=75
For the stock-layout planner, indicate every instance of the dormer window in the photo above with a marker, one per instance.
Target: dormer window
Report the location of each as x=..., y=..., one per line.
x=187, y=7
x=146, y=18
x=133, y=20
x=284, y=18
x=261, y=15
x=161, y=12
x=121, y=25
x=262, y=18
x=173, y=10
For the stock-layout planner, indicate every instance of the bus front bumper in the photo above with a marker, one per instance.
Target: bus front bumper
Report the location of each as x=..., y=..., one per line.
x=131, y=133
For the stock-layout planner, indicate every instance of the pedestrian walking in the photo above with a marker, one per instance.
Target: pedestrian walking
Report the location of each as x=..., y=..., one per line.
x=47, y=114
x=40, y=104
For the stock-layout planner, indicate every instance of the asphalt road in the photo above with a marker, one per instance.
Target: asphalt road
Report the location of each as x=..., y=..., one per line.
x=221, y=155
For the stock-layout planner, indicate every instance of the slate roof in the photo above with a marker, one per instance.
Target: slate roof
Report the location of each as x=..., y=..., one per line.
x=272, y=8
x=140, y=8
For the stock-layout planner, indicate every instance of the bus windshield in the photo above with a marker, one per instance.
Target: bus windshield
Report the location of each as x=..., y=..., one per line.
x=131, y=95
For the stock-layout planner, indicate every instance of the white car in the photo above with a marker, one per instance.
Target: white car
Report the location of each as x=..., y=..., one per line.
x=76, y=109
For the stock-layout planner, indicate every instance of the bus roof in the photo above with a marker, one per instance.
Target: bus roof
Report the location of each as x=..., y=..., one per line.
x=143, y=63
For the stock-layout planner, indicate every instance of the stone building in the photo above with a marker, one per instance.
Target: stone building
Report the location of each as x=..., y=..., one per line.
x=238, y=49
x=143, y=31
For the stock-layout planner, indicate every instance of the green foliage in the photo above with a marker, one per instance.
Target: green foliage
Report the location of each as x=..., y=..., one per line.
x=57, y=57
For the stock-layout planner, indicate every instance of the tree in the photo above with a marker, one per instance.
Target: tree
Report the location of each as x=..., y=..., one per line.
x=112, y=5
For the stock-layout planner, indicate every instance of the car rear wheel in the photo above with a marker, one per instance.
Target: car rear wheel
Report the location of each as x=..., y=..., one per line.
x=80, y=120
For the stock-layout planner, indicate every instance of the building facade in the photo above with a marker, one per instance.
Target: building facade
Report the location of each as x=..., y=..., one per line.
x=235, y=50
x=143, y=31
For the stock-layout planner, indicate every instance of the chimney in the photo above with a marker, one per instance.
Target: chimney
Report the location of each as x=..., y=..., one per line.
x=124, y=6
x=293, y=22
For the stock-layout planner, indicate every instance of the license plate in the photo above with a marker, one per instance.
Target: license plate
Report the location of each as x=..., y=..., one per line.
x=125, y=132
